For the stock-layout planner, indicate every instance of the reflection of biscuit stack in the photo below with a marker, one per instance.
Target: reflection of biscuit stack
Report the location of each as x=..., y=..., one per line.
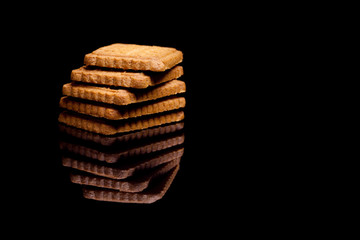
x=136, y=167
x=123, y=88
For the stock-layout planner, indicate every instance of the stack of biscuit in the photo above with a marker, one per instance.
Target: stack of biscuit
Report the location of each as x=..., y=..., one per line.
x=124, y=87
x=121, y=122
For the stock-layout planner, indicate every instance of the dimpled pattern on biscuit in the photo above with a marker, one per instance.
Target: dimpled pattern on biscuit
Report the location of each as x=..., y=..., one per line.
x=135, y=57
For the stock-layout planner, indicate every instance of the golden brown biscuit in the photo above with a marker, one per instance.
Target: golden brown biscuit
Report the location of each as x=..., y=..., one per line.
x=123, y=96
x=114, y=112
x=120, y=78
x=135, y=57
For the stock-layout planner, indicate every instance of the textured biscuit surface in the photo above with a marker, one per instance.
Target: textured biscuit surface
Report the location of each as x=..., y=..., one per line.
x=113, y=112
x=122, y=96
x=135, y=57
x=121, y=78
x=106, y=128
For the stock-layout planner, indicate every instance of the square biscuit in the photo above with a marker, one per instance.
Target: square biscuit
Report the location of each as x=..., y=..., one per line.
x=121, y=78
x=114, y=112
x=108, y=127
x=134, y=57
x=123, y=96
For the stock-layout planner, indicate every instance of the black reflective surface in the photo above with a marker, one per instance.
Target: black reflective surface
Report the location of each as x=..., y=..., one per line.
x=135, y=167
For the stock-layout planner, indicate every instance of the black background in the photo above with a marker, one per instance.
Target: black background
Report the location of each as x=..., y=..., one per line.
x=249, y=164
x=222, y=171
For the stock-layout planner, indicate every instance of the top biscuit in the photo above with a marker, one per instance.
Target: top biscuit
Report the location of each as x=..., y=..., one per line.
x=134, y=57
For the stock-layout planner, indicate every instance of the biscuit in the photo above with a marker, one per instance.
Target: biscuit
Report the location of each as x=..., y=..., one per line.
x=136, y=183
x=134, y=57
x=122, y=96
x=122, y=138
x=113, y=112
x=120, y=78
x=107, y=127
x=151, y=194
